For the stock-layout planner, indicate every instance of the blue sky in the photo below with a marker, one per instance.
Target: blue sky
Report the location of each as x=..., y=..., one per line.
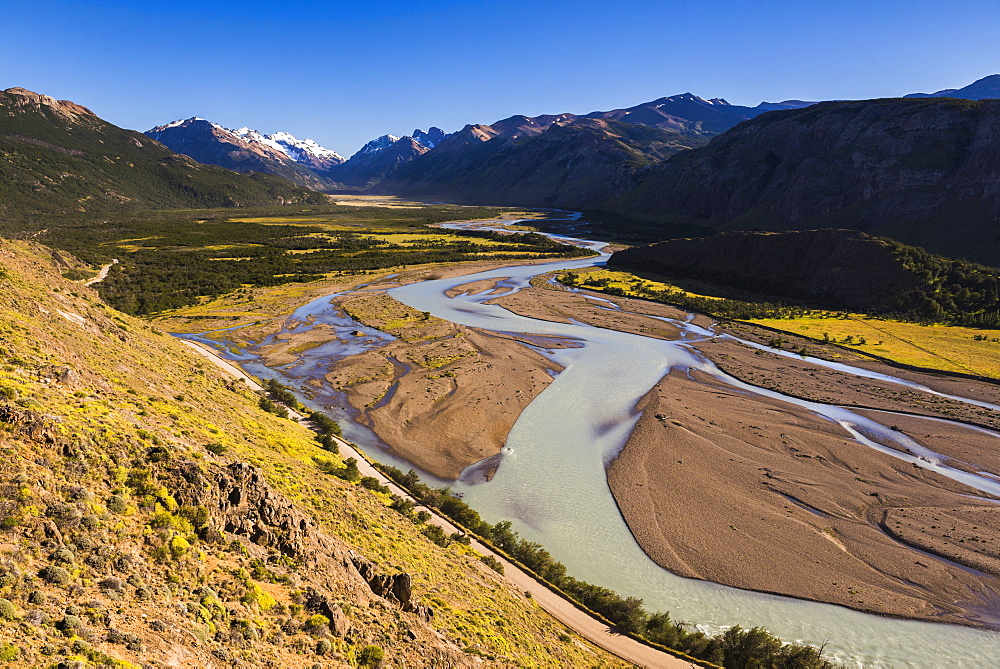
x=344, y=72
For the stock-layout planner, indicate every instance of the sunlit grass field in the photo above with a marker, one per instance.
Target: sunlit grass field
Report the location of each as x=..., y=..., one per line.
x=945, y=347
x=632, y=285
x=942, y=347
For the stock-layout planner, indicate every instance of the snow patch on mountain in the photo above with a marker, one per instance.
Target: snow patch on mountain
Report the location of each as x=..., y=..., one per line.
x=299, y=150
x=376, y=145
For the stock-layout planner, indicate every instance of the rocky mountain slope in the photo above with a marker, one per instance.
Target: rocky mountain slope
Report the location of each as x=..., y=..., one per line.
x=987, y=88
x=573, y=162
x=923, y=171
x=377, y=160
x=563, y=159
x=153, y=515
x=689, y=113
x=57, y=157
x=246, y=150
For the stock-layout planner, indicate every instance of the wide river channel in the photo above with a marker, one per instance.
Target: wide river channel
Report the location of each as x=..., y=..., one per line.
x=552, y=483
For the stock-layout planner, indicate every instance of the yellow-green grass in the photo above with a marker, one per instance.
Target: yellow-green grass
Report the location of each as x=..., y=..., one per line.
x=632, y=285
x=944, y=347
x=153, y=392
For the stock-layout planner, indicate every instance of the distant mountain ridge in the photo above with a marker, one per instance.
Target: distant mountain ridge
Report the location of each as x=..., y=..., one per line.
x=919, y=170
x=300, y=161
x=563, y=159
x=58, y=157
x=987, y=88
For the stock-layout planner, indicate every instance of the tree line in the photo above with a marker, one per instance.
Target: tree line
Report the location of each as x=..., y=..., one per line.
x=736, y=647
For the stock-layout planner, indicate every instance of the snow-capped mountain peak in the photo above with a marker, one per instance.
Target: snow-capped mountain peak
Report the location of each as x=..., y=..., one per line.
x=300, y=150
x=377, y=145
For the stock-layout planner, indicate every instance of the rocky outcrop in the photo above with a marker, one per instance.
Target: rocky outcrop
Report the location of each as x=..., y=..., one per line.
x=242, y=504
x=394, y=587
x=32, y=424
x=923, y=171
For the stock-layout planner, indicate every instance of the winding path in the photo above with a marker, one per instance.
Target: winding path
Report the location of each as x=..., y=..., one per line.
x=102, y=275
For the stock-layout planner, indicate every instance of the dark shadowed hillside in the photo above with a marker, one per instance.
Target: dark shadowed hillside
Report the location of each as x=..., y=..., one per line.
x=923, y=171
x=57, y=157
x=837, y=269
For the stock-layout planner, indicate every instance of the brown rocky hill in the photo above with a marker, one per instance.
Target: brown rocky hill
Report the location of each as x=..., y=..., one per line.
x=923, y=171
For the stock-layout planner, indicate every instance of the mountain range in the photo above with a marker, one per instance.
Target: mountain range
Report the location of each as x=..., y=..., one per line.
x=58, y=157
x=916, y=169
x=687, y=119
x=923, y=171
x=302, y=162
x=987, y=88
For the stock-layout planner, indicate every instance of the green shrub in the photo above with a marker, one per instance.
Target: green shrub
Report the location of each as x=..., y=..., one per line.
x=7, y=610
x=216, y=449
x=370, y=656
x=54, y=575
x=116, y=504
x=69, y=624
x=372, y=483
x=8, y=652
x=492, y=563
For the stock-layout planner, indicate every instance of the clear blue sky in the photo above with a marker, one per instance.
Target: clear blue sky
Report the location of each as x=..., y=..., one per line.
x=344, y=72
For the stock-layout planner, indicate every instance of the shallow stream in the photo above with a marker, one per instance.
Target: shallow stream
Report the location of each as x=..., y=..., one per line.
x=552, y=482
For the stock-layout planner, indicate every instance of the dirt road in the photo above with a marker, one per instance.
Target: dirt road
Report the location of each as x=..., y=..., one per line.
x=102, y=275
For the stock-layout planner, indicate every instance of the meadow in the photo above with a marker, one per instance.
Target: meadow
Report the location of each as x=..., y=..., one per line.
x=948, y=348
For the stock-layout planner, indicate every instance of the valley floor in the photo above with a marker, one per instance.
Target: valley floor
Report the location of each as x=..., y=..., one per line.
x=715, y=483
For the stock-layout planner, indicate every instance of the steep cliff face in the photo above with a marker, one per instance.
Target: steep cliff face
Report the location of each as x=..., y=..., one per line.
x=839, y=268
x=924, y=171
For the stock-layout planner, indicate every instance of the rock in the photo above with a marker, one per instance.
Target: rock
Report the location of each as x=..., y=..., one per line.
x=32, y=424
x=61, y=374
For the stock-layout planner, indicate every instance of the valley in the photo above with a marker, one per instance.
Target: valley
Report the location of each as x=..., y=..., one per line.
x=743, y=450
x=262, y=405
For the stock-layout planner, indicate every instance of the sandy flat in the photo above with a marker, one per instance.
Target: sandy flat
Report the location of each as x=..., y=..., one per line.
x=760, y=494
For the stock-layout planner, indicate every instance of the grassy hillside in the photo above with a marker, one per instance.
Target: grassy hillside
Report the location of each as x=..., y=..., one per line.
x=137, y=527
x=57, y=157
